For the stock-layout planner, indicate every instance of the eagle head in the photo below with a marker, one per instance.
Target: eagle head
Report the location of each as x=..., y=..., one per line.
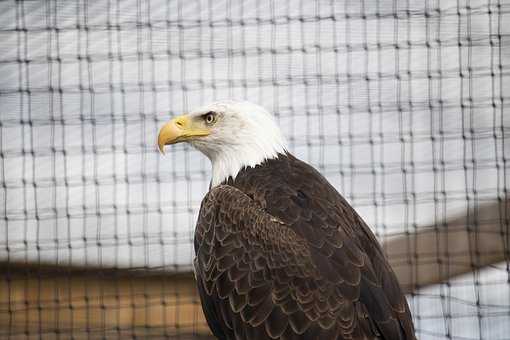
x=233, y=135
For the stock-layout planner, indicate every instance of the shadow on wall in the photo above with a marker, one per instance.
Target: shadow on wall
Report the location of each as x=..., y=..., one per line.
x=461, y=245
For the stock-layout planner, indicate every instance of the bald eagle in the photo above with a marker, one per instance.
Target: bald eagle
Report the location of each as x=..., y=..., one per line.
x=280, y=254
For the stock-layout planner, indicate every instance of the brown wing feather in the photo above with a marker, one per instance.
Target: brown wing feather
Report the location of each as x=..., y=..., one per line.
x=262, y=278
x=297, y=194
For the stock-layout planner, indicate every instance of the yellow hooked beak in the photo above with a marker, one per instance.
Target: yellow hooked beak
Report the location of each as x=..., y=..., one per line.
x=179, y=129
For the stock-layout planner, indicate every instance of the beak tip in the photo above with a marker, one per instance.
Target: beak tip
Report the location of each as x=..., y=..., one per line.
x=161, y=148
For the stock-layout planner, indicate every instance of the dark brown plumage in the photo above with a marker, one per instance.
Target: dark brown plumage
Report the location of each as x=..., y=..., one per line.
x=281, y=255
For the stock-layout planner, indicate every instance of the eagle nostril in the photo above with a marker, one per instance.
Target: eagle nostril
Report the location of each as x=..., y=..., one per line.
x=179, y=123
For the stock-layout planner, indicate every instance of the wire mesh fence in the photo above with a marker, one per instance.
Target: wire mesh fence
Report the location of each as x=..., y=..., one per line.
x=402, y=105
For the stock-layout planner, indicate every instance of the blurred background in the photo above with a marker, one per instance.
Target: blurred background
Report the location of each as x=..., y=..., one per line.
x=403, y=105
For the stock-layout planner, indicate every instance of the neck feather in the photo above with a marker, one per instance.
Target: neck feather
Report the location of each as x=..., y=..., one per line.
x=231, y=160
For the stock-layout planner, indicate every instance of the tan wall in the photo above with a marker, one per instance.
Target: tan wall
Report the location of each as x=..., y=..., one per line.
x=90, y=302
x=102, y=303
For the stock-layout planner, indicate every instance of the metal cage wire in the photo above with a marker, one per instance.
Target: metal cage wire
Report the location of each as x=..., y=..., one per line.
x=402, y=105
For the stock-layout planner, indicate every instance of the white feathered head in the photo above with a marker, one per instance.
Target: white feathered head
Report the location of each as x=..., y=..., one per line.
x=233, y=135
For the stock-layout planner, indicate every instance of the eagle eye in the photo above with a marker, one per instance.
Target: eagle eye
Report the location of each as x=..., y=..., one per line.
x=209, y=118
